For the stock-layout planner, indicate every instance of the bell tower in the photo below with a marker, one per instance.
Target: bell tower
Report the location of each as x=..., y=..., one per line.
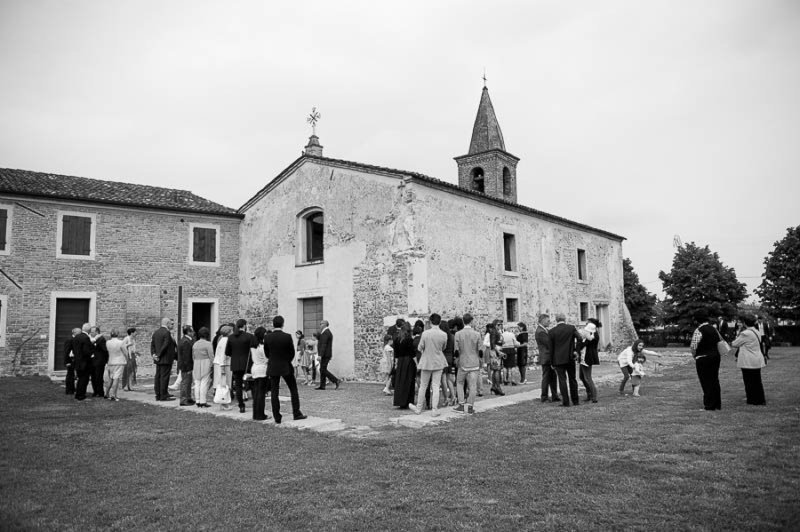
x=488, y=167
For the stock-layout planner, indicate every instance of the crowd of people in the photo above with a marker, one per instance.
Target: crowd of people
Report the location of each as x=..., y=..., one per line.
x=428, y=365
x=439, y=362
x=232, y=366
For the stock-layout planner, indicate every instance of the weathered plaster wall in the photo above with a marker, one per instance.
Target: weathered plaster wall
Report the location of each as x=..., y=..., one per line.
x=363, y=278
x=465, y=269
x=141, y=259
x=394, y=247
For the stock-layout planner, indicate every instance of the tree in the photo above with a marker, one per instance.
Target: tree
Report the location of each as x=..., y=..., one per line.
x=640, y=302
x=699, y=282
x=780, y=286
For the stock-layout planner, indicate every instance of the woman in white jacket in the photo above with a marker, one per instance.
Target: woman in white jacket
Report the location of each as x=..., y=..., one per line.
x=625, y=360
x=222, y=363
x=750, y=360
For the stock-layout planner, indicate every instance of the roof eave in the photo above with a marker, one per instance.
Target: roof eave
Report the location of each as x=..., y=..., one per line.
x=232, y=214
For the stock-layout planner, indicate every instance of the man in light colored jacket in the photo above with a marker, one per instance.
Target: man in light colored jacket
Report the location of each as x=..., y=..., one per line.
x=469, y=345
x=431, y=363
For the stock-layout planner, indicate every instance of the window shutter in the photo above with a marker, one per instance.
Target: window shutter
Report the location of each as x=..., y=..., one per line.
x=76, y=235
x=85, y=236
x=197, y=245
x=204, y=245
x=211, y=245
x=3, y=228
x=67, y=235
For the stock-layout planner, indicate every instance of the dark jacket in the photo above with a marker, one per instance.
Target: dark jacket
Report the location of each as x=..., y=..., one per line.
x=543, y=342
x=279, y=348
x=83, y=349
x=591, y=357
x=185, y=360
x=100, y=351
x=69, y=358
x=163, y=347
x=708, y=341
x=563, y=338
x=325, y=346
x=522, y=351
x=238, y=348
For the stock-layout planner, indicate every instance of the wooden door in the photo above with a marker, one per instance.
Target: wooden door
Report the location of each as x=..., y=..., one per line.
x=70, y=313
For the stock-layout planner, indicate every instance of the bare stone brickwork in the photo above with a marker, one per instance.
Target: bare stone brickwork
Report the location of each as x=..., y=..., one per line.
x=141, y=257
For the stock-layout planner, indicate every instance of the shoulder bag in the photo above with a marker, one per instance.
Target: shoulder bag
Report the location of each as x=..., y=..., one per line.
x=722, y=346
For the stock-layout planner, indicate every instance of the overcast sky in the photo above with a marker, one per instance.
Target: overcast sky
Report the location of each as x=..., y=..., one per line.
x=646, y=119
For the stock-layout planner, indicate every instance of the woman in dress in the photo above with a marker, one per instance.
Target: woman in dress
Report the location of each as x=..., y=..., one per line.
x=405, y=367
x=449, y=372
x=117, y=360
x=311, y=351
x=750, y=359
x=492, y=343
x=522, y=351
x=259, y=372
x=129, y=375
x=203, y=355
x=302, y=356
x=222, y=363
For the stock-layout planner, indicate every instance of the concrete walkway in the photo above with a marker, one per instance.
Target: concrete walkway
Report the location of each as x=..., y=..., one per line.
x=361, y=410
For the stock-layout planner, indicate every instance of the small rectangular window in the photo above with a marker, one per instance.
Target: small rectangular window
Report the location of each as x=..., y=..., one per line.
x=512, y=310
x=584, y=311
x=509, y=252
x=75, y=235
x=581, y=265
x=204, y=244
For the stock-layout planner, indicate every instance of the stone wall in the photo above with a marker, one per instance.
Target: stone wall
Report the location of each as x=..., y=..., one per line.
x=395, y=247
x=141, y=258
x=363, y=276
x=466, y=268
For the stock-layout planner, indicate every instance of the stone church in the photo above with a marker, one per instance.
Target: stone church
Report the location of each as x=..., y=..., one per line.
x=355, y=244
x=361, y=245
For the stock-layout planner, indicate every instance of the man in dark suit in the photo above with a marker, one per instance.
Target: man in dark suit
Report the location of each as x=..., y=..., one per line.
x=99, y=361
x=238, y=348
x=163, y=349
x=549, y=379
x=325, y=349
x=186, y=365
x=69, y=362
x=83, y=349
x=279, y=348
x=766, y=335
x=563, y=339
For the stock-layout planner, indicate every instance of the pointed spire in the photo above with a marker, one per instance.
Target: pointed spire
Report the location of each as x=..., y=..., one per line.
x=486, y=134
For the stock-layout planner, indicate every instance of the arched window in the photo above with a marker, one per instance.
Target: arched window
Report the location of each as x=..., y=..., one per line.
x=507, y=182
x=311, y=229
x=477, y=179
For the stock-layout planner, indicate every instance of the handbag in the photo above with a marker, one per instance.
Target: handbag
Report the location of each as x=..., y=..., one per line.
x=247, y=377
x=722, y=346
x=222, y=395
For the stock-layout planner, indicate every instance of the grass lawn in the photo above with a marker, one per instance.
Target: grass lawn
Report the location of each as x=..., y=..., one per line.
x=658, y=462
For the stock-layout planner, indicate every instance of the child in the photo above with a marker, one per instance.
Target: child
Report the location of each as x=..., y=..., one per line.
x=387, y=364
x=638, y=373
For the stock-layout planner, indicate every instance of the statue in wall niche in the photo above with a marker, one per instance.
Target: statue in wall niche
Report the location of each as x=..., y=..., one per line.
x=402, y=228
